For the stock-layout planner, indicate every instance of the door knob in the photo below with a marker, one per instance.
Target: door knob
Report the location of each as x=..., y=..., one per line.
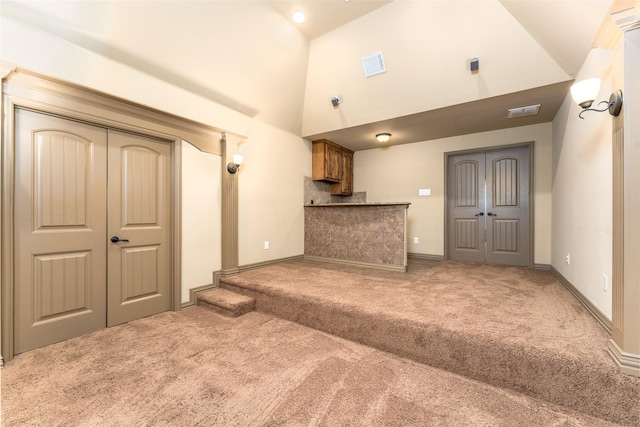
x=491, y=214
x=116, y=239
x=480, y=214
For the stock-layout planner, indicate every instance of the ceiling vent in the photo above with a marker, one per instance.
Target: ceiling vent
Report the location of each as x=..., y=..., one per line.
x=373, y=64
x=530, y=110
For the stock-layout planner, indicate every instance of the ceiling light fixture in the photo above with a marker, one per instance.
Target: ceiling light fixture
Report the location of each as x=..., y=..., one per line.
x=585, y=92
x=299, y=17
x=383, y=137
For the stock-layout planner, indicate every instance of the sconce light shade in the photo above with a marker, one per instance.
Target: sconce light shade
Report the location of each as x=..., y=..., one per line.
x=383, y=137
x=237, y=161
x=585, y=92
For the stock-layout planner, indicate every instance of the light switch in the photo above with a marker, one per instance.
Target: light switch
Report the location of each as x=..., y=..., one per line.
x=424, y=192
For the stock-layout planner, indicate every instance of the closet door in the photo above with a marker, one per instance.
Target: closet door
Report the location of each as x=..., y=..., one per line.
x=139, y=254
x=87, y=257
x=488, y=206
x=60, y=228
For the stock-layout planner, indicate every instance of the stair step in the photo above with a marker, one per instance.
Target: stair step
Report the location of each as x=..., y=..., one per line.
x=225, y=302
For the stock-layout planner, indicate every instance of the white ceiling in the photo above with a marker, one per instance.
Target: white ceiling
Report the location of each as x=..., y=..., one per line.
x=565, y=29
x=325, y=15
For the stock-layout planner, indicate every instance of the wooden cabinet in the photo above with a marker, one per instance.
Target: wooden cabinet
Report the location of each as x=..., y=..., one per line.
x=345, y=186
x=326, y=161
x=334, y=164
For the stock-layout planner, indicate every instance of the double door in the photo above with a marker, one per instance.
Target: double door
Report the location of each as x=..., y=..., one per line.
x=92, y=242
x=488, y=216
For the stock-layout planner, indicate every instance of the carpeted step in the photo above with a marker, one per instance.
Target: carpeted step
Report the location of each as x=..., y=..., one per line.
x=509, y=346
x=225, y=302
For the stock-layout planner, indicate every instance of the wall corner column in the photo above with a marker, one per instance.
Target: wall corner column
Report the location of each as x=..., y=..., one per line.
x=229, y=260
x=624, y=345
x=5, y=70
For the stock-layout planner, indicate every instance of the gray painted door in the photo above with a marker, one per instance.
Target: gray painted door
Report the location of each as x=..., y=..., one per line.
x=466, y=206
x=70, y=279
x=488, y=206
x=507, y=207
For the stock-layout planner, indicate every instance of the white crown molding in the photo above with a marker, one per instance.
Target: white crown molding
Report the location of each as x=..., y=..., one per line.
x=6, y=69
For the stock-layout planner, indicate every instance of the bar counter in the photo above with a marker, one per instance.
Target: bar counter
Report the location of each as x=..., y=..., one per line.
x=373, y=234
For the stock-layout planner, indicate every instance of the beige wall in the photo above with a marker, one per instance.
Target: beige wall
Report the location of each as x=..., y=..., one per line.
x=418, y=64
x=240, y=67
x=395, y=174
x=235, y=57
x=271, y=194
x=582, y=189
x=201, y=217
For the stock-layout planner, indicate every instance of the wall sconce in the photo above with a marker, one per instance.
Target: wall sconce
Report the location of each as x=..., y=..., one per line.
x=585, y=91
x=383, y=137
x=237, y=161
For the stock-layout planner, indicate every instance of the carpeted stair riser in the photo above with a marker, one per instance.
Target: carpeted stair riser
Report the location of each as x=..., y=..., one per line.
x=226, y=303
x=545, y=376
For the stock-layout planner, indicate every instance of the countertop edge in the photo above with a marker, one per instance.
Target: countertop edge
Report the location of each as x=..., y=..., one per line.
x=339, y=205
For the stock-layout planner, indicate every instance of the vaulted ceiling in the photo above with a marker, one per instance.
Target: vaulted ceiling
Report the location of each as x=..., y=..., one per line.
x=564, y=29
x=247, y=56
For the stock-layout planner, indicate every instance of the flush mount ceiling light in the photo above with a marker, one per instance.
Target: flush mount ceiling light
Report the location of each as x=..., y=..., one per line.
x=383, y=137
x=298, y=17
x=585, y=92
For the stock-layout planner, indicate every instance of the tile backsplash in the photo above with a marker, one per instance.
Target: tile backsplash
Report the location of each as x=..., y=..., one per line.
x=318, y=192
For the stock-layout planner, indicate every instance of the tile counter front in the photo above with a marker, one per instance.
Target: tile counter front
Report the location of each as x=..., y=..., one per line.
x=359, y=233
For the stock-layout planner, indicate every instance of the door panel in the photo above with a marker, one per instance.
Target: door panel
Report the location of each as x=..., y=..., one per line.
x=488, y=206
x=139, y=212
x=465, y=200
x=508, y=202
x=60, y=257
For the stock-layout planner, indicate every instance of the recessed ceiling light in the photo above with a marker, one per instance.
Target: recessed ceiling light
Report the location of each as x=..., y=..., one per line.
x=299, y=17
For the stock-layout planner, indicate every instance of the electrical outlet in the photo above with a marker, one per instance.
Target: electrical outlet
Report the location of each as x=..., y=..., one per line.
x=568, y=258
x=266, y=244
x=605, y=283
x=416, y=240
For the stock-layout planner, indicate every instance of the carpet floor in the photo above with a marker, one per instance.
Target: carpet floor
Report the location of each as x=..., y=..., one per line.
x=196, y=368
x=443, y=344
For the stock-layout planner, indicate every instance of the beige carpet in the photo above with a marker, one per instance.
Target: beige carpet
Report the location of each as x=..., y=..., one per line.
x=195, y=368
x=511, y=327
